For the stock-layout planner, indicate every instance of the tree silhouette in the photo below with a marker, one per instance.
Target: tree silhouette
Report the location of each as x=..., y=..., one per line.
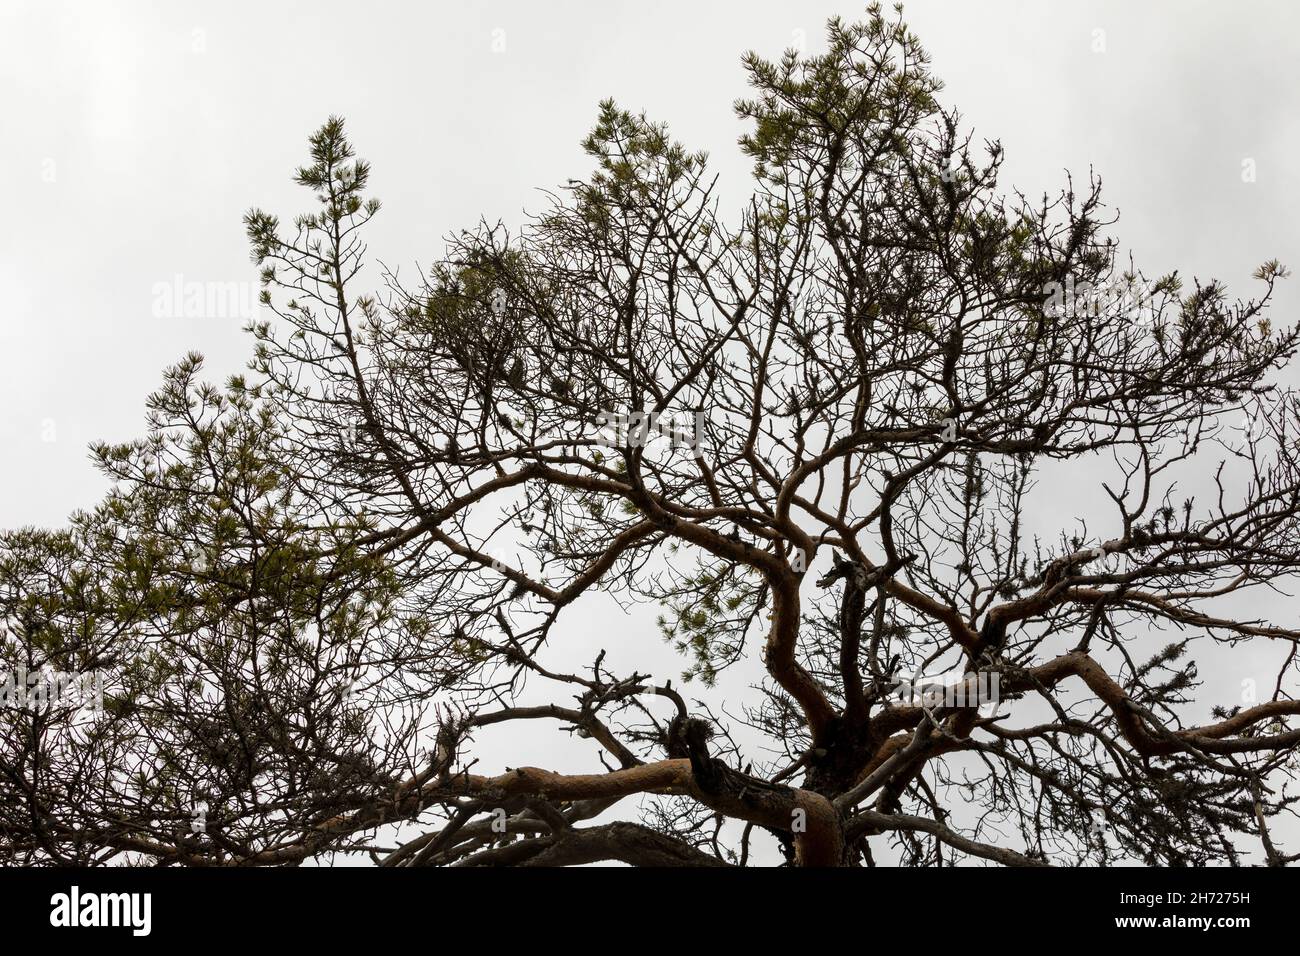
x=812, y=431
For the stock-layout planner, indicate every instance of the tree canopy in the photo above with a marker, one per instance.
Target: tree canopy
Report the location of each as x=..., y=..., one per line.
x=809, y=431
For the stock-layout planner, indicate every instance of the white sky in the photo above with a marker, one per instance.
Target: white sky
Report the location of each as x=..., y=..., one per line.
x=137, y=134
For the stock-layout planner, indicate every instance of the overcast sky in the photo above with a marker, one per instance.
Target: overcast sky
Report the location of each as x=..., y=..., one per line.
x=137, y=134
